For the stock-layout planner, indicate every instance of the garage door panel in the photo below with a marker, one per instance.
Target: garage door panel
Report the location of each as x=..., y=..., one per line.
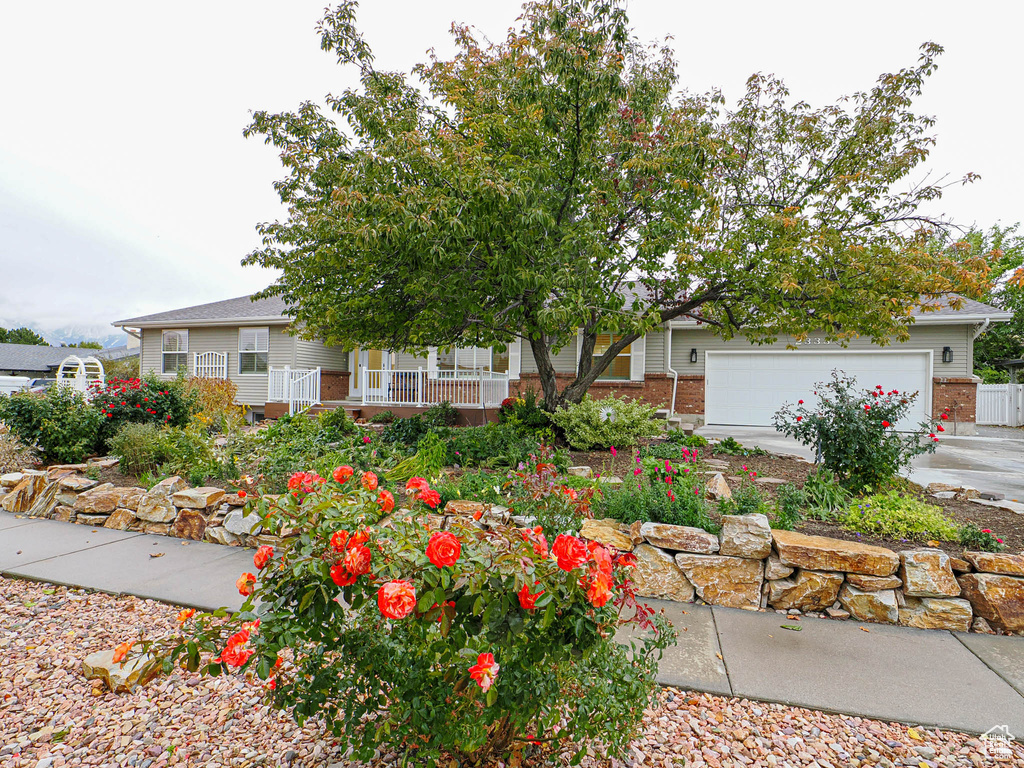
x=748, y=388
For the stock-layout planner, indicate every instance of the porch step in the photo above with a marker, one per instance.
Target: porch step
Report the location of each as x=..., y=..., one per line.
x=353, y=411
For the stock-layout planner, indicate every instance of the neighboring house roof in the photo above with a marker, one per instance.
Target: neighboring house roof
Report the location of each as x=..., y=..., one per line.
x=115, y=353
x=30, y=357
x=241, y=310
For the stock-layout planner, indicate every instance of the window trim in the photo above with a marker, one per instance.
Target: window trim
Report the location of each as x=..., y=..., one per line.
x=256, y=352
x=454, y=370
x=626, y=354
x=164, y=352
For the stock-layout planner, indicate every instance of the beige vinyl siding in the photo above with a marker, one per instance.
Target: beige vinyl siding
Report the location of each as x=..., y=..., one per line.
x=933, y=337
x=406, y=361
x=655, y=359
x=314, y=354
x=252, y=388
x=564, y=361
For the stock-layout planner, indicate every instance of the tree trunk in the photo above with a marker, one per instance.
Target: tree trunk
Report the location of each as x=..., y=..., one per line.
x=546, y=371
x=587, y=369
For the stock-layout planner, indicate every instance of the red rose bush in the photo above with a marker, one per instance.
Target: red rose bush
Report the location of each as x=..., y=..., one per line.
x=462, y=643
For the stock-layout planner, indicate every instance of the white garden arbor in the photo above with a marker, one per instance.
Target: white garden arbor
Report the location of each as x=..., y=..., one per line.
x=81, y=374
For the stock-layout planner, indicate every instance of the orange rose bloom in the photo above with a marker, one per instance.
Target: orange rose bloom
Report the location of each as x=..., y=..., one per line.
x=186, y=614
x=357, y=560
x=485, y=670
x=338, y=539
x=342, y=473
x=430, y=497
x=263, y=556
x=122, y=650
x=360, y=537
x=569, y=551
x=245, y=584
x=236, y=652
x=443, y=549
x=527, y=599
x=341, y=576
x=386, y=501
x=600, y=590
x=417, y=484
x=396, y=599
x=369, y=481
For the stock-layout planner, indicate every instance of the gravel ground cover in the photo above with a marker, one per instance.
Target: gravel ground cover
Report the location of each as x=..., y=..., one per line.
x=50, y=716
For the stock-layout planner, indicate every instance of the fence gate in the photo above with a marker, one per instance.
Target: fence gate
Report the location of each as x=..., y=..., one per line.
x=1001, y=404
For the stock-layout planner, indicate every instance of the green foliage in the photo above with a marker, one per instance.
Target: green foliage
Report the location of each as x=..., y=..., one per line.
x=384, y=417
x=428, y=461
x=855, y=433
x=403, y=683
x=21, y=336
x=150, y=400
x=84, y=345
x=294, y=443
x=441, y=415
x=213, y=402
x=667, y=450
x=993, y=375
x=122, y=368
x=525, y=411
x=487, y=487
x=536, y=490
x=612, y=421
x=974, y=538
x=900, y=517
x=826, y=497
x=644, y=499
x=191, y=453
x=731, y=447
x=60, y=423
x=335, y=423
x=405, y=432
x=747, y=499
x=680, y=437
x=789, y=505
x=141, y=448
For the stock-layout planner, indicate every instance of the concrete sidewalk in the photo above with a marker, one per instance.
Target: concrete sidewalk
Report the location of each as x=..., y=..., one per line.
x=957, y=681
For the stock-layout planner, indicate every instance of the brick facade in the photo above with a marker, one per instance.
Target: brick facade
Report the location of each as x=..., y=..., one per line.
x=656, y=389
x=334, y=385
x=960, y=395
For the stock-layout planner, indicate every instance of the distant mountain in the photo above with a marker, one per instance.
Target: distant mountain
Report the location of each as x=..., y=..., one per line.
x=74, y=334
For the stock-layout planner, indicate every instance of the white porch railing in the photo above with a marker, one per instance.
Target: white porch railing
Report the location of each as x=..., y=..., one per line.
x=299, y=387
x=463, y=389
x=1001, y=404
x=210, y=365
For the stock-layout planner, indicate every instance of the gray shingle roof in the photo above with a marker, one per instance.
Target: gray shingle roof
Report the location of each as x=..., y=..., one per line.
x=29, y=357
x=241, y=308
x=969, y=307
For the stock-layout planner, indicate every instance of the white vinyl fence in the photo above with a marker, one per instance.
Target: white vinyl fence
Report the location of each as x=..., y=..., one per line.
x=465, y=389
x=1001, y=404
x=210, y=365
x=299, y=387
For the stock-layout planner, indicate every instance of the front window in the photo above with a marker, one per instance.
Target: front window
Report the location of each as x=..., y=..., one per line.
x=619, y=367
x=253, y=350
x=467, y=360
x=174, y=348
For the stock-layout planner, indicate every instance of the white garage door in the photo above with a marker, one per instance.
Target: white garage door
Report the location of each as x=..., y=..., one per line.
x=747, y=388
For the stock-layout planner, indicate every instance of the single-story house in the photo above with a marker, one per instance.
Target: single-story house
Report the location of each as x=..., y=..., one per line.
x=680, y=366
x=37, y=361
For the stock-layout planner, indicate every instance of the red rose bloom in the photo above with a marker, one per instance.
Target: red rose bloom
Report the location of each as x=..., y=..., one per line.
x=885, y=423
x=357, y=560
x=245, y=584
x=484, y=671
x=386, y=501
x=396, y=599
x=369, y=481
x=443, y=549
x=430, y=497
x=417, y=484
x=263, y=556
x=944, y=416
x=569, y=551
x=527, y=599
x=341, y=576
x=342, y=473
x=338, y=539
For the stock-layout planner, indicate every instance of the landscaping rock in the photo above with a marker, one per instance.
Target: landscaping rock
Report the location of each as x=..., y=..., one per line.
x=818, y=553
x=613, y=481
x=119, y=677
x=132, y=497
x=941, y=488
x=245, y=525
x=220, y=535
x=746, y=536
x=101, y=500
x=64, y=514
x=996, y=562
x=769, y=481
x=959, y=566
x=463, y=508
x=87, y=519
x=77, y=483
x=716, y=489
x=953, y=614
x=233, y=500
x=66, y=498
x=120, y=520
x=991, y=496
x=998, y=599
x=189, y=524
x=966, y=493
x=733, y=582
x=197, y=498
x=606, y=532
x=716, y=463
x=805, y=590
x=157, y=529
x=656, y=575
x=156, y=506
x=434, y=522
x=681, y=538
x=581, y=471
x=927, y=573
x=774, y=569
x=44, y=502
x=873, y=583
x=1008, y=505
x=11, y=479
x=21, y=496
x=981, y=626
x=636, y=532
x=104, y=462
x=837, y=613
x=879, y=606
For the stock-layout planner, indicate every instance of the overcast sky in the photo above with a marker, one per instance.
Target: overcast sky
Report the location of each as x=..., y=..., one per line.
x=126, y=186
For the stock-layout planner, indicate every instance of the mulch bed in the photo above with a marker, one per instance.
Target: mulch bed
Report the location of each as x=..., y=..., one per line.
x=1004, y=524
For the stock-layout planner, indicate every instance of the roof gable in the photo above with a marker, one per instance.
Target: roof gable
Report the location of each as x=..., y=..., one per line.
x=240, y=309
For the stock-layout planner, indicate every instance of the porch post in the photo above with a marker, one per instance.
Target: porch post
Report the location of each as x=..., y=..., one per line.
x=419, y=387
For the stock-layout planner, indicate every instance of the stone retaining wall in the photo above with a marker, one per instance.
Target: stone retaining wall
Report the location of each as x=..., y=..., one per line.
x=751, y=566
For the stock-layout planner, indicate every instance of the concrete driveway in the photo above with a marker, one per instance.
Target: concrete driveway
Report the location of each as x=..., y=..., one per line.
x=992, y=460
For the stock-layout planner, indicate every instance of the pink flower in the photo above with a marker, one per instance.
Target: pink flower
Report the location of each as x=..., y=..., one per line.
x=614, y=452
x=636, y=471
x=366, y=439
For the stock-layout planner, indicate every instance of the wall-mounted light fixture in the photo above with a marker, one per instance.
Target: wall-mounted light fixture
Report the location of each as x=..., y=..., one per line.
x=693, y=355
x=947, y=354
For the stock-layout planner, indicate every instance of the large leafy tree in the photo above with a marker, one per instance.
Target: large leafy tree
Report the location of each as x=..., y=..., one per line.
x=1003, y=246
x=21, y=336
x=557, y=181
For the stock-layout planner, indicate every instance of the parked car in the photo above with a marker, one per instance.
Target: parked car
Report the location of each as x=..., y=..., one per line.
x=9, y=384
x=40, y=385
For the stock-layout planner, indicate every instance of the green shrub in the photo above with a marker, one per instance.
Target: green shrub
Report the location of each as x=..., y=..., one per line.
x=789, y=504
x=335, y=424
x=428, y=461
x=386, y=662
x=384, y=417
x=535, y=490
x=149, y=400
x=900, y=517
x=974, y=538
x=605, y=423
x=525, y=410
x=141, y=448
x=746, y=500
x=854, y=433
x=827, y=499
x=405, y=432
x=60, y=423
x=679, y=437
x=487, y=487
x=730, y=446
x=192, y=454
x=644, y=500
x=441, y=415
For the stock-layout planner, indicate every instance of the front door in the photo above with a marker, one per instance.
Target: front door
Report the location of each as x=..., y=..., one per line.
x=370, y=369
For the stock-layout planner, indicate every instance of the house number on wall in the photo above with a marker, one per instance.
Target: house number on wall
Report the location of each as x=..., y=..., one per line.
x=815, y=342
